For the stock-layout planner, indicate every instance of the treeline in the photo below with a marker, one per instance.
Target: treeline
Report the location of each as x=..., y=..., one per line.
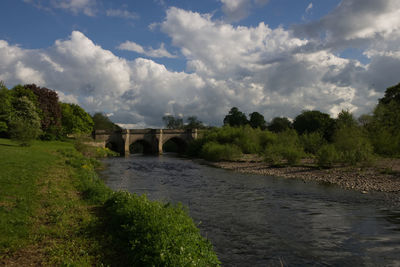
x=312, y=134
x=28, y=112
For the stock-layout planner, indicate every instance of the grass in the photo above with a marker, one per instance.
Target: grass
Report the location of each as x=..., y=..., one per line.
x=54, y=210
x=43, y=219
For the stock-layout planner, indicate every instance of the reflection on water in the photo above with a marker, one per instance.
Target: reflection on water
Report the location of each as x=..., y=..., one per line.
x=262, y=221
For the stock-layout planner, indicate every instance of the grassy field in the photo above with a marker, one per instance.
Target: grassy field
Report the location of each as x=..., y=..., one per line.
x=43, y=219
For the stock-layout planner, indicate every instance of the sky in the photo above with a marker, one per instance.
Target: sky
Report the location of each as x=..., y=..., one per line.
x=137, y=61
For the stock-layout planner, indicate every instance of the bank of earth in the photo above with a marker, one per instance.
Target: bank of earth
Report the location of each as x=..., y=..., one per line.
x=383, y=175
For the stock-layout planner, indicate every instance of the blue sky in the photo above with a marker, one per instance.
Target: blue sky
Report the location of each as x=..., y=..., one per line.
x=140, y=60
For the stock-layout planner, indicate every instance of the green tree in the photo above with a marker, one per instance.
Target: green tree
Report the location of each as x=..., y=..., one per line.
x=194, y=123
x=257, y=120
x=5, y=109
x=279, y=124
x=172, y=122
x=235, y=118
x=24, y=124
x=384, y=129
x=310, y=121
x=345, y=119
x=102, y=122
x=75, y=120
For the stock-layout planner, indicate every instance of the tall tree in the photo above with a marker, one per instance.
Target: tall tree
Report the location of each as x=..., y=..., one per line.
x=235, y=118
x=50, y=110
x=172, y=122
x=25, y=122
x=5, y=109
x=310, y=121
x=257, y=120
x=193, y=123
x=279, y=124
x=102, y=122
x=75, y=120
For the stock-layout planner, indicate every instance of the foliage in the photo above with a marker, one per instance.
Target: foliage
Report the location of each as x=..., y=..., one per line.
x=235, y=118
x=172, y=122
x=155, y=234
x=49, y=109
x=314, y=121
x=25, y=122
x=345, y=119
x=213, y=151
x=327, y=156
x=6, y=108
x=102, y=122
x=384, y=129
x=75, y=120
x=285, y=147
x=279, y=124
x=257, y=120
x=194, y=123
x=353, y=147
x=19, y=91
x=312, y=142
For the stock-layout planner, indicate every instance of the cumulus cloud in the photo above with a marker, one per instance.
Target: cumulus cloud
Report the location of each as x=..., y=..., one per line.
x=87, y=7
x=272, y=71
x=236, y=10
x=355, y=22
x=151, y=52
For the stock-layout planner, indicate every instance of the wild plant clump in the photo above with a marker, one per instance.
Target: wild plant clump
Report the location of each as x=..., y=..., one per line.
x=155, y=234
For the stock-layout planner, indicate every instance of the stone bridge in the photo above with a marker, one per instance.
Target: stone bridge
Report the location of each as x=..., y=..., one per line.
x=152, y=140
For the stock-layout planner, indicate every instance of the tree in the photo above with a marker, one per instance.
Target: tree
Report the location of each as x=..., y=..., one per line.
x=50, y=110
x=24, y=124
x=102, y=122
x=75, y=120
x=345, y=119
x=172, y=122
x=384, y=129
x=193, y=123
x=279, y=124
x=5, y=108
x=257, y=120
x=235, y=118
x=314, y=121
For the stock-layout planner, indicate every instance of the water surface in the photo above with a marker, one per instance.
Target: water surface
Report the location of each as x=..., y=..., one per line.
x=257, y=220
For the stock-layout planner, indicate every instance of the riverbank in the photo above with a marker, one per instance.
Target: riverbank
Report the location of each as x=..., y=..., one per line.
x=55, y=211
x=383, y=176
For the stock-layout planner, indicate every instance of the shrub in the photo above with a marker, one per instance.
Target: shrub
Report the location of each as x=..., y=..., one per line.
x=155, y=234
x=312, y=142
x=286, y=147
x=353, y=146
x=214, y=152
x=327, y=156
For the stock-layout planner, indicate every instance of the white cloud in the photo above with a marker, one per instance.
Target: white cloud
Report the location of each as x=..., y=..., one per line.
x=236, y=10
x=121, y=13
x=151, y=52
x=254, y=68
x=309, y=7
x=87, y=7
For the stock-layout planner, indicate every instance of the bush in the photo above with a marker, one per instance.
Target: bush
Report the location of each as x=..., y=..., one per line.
x=327, y=156
x=312, y=142
x=353, y=146
x=286, y=147
x=215, y=152
x=155, y=234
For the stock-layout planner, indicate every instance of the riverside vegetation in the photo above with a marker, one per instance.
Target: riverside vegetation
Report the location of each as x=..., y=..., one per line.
x=54, y=210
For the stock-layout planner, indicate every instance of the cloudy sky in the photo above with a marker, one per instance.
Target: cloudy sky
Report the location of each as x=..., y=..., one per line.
x=139, y=60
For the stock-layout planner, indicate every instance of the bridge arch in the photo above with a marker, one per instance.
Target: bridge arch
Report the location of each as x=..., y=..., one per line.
x=174, y=144
x=141, y=146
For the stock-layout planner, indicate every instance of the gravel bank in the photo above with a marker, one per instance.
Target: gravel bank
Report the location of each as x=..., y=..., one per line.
x=384, y=176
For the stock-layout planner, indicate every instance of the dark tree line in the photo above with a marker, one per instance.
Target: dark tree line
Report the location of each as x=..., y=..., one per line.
x=28, y=112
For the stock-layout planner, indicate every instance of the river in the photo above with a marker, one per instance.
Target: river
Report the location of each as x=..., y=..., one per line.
x=257, y=220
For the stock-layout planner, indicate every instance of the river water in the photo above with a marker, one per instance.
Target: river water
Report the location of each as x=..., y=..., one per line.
x=257, y=220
